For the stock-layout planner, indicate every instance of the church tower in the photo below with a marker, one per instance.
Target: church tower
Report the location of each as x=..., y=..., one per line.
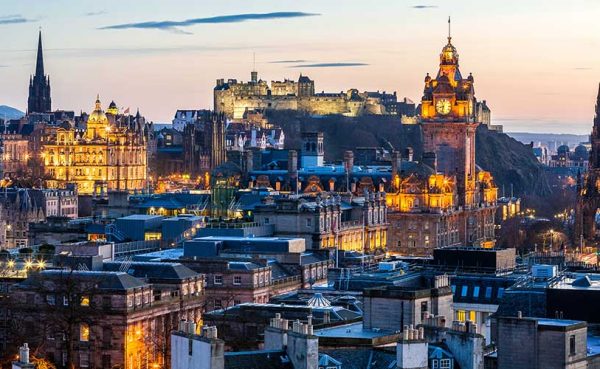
x=39, y=85
x=449, y=124
x=588, y=188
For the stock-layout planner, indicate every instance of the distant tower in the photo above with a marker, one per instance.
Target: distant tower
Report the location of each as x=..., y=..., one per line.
x=312, y=149
x=306, y=86
x=588, y=186
x=39, y=85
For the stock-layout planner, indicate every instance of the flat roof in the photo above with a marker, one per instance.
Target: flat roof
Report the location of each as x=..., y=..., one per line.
x=556, y=322
x=248, y=239
x=352, y=330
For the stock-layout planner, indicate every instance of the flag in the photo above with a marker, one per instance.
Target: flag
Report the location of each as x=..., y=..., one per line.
x=126, y=111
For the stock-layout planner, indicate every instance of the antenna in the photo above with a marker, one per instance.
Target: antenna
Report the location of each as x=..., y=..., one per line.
x=449, y=29
x=254, y=61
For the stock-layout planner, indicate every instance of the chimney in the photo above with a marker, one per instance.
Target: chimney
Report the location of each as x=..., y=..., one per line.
x=276, y=333
x=303, y=346
x=409, y=154
x=293, y=169
x=348, y=161
x=23, y=362
x=189, y=350
x=429, y=159
x=412, y=349
x=396, y=167
x=249, y=161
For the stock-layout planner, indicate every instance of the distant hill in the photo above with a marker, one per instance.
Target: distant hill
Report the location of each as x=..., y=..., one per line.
x=10, y=112
x=509, y=161
x=549, y=139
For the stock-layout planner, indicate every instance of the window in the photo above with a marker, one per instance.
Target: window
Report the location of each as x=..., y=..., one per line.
x=237, y=280
x=461, y=315
x=435, y=364
x=308, y=222
x=572, y=350
x=51, y=300
x=476, y=291
x=445, y=364
x=237, y=302
x=84, y=360
x=266, y=220
x=84, y=332
x=218, y=279
x=453, y=288
x=85, y=301
x=464, y=291
x=261, y=278
x=472, y=315
x=218, y=304
x=129, y=301
x=500, y=292
x=488, y=292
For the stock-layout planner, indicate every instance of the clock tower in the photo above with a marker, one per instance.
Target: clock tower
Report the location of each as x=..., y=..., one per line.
x=449, y=124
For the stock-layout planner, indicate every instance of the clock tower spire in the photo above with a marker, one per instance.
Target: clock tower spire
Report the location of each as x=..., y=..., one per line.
x=448, y=122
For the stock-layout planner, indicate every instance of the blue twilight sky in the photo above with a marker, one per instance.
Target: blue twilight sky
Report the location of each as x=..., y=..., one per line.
x=537, y=63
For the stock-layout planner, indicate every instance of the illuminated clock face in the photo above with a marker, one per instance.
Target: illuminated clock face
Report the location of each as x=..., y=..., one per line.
x=443, y=106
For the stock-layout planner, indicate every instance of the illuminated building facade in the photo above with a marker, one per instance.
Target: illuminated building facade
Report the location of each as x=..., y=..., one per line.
x=325, y=221
x=110, y=154
x=15, y=155
x=452, y=202
x=235, y=99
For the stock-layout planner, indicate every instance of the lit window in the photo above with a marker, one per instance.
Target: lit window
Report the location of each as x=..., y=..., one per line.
x=472, y=315
x=464, y=291
x=476, y=291
x=84, y=332
x=85, y=301
x=461, y=315
x=500, y=292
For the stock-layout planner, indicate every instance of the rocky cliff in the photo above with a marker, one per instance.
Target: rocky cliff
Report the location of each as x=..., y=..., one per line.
x=510, y=161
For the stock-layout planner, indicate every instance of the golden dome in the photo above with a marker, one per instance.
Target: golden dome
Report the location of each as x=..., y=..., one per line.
x=97, y=116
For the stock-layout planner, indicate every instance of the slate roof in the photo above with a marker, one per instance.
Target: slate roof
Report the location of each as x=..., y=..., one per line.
x=154, y=271
x=364, y=358
x=257, y=360
x=115, y=281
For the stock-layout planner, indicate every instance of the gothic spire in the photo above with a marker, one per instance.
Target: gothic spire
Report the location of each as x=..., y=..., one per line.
x=39, y=67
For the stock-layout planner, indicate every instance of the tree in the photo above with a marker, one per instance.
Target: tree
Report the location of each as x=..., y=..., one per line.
x=58, y=305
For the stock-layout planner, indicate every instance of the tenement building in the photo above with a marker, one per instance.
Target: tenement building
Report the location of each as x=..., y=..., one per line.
x=235, y=98
x=109, y=154
x=451, y=201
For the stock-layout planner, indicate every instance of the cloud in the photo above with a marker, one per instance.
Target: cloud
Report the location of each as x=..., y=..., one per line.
x=582, y=68
x=288, y=61
x=98, y=12
x=329, y=65
x=234, y=18
x=14, y=19
x=424, y=6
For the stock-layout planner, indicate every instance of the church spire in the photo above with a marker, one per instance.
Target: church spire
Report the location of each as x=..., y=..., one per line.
x=39, y=67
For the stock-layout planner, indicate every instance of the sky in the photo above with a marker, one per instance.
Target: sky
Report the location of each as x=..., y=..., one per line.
x=536, y=63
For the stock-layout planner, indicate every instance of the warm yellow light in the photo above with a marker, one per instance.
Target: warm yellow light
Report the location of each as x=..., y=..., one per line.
x=11, y=263
x=41, y=264
x=28, y=264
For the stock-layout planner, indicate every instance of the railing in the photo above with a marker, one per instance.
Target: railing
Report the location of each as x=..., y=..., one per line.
x=232, y=225
x=136, y=247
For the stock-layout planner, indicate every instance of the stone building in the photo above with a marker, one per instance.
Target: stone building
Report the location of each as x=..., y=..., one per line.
x=327, y=221
x=107, y=319
x=235, y=99
x=110, y=154
x=15, y=155
x=393, y=307
x=204, y=147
